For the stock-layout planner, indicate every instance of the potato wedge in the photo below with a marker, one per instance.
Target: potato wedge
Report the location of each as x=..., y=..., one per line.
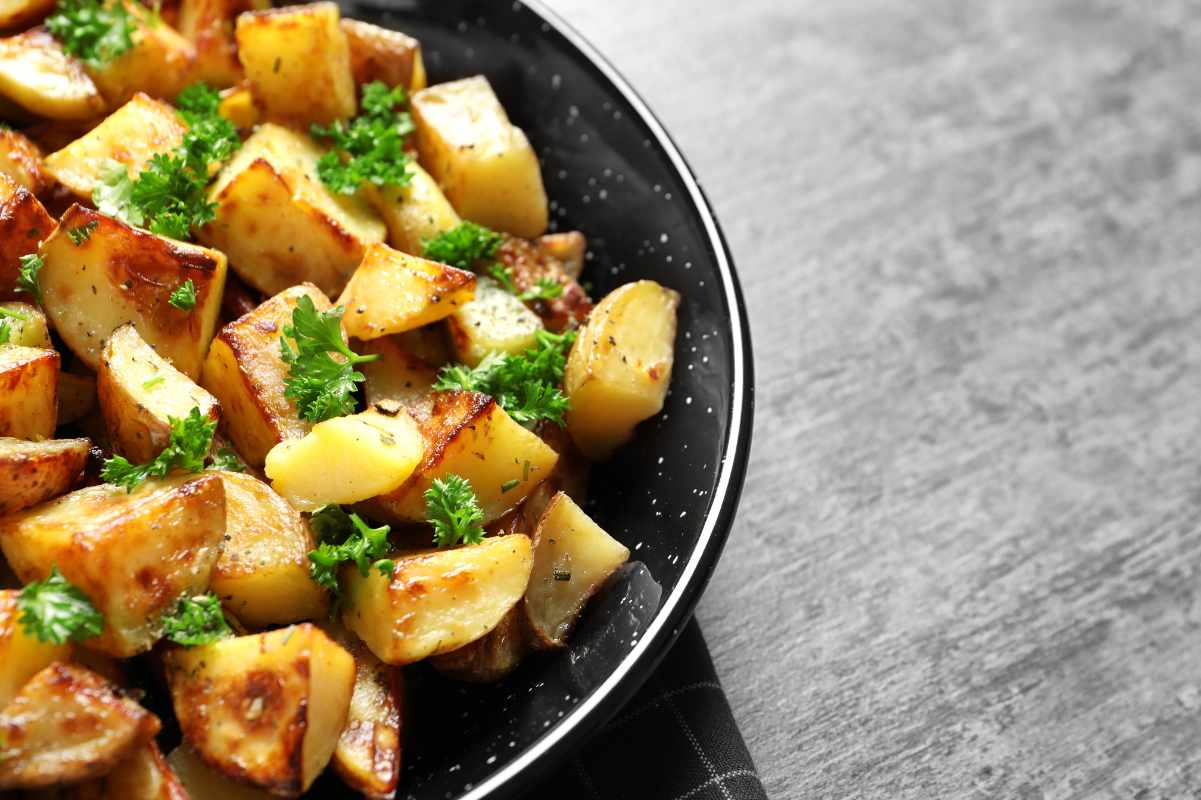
x=435, y=601
x=492, y=657
x=393, y=292
x=36, y=74
x=245, y=372
x=26, y=324
x=21, y=160
x=297, y=61
x=494, y=322
x=265, y=709
x=34, y=472
x=133, y=555
x=204, y=783
x=470, y=435
x=68, y=724
x=483, y=162
x=23, y=223
x=262, y=575
x=76, y=397
x=346, y=459
x=620, y=365
x=159, y=63
x=121, y=274
x=16, y=14
x=139, y=392
x=529, y=264
x=144, y=774
x=397, y=379
x=568, y=248
x=21, y=655
x=278, y=223
x=28, y=386
x=573, y=557
x=381, y=54
x=132, y=135
x=209, y=26
x=414, y=213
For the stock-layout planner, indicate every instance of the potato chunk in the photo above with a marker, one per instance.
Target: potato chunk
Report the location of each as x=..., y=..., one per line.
x=346, y=459
x=483, y=162
x=494, y=322
x=27, y=325
x=139, y=393
x=21, y=655
x=76, y=397
x=33, y=472
x=36, y=74
x=435, y=601
x=393, y=292
x=144, y=774
x=68, y=724
x=415, y=212
x=133, y=555
x=573, y=557
x=298, y=62
x=492, y=657
x=21, y=160
x=23, y=223
x=159, y=63
x=265, y=709
x=245, y=372
x=19, y=13
x=620, y=365
x=278, y=223
x=204, y=783
x=131, y=135
x=470, y=435
x=28, y=385
x=121, y=274
x=209, y=26
x=397, y=379
x=530, y=263
x=262, y=575
x=380, y=54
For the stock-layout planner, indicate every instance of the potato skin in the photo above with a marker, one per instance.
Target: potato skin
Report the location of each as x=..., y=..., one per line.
x=209, y=26
x=530, y=262
x=23, y=223
x=21, y=160
x=492, y=657
x=33, y=472
x=21, y=655
x=38, y=75
x=28, y=391
x=142, y=775
x=381, y=54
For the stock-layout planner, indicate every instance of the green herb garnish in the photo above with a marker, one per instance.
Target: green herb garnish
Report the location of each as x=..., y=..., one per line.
x=345, y=538
x=452, y=508
x=55, y=610
x=184, y=297
x=196, y=621
x=321, y=386
x=93, y=31
x=27, y=277
x=370, y=148
x=191, y=438
x=227, y=459
x=150, y=383
x=80, y=235
x=465, y=246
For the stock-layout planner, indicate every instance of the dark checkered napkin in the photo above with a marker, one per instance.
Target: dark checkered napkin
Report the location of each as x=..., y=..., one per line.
x=676, y=740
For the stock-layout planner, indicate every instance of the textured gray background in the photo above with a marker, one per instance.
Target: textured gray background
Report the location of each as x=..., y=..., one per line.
x=967, y=559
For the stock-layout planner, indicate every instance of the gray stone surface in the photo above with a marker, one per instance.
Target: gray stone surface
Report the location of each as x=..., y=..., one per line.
x=967, y=559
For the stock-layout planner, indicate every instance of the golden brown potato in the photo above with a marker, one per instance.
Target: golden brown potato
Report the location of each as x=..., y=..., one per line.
x=34, y=472
x=470, y=435
x=159, y=63
x=23, y=223
x=246, y=373
x=68, y=724
x=494, y=322
x=297, y=61
x=144, y=774
x=131, y=135
x=380, y=54
x=278, y=223
x=76, y=397
x=27, y=325
x=568, y=248
x=139, y=392
x=16, y=14
x=121, y=274
x=529, y=263
x=619, y=367
x=393, y=292
x=36, y=74
x=265, y=709
x=133, y=555
x=397, y=379
x=21, y=160
x=239, y=107
x=430, y=344
x=209, y=26
x=415, y=212
x=435, y=601
x=483, y=162
x=205, y=783
x=492, y=657
x=573, y=557
x=21, y=655
x=28, y=386
x=262, y=575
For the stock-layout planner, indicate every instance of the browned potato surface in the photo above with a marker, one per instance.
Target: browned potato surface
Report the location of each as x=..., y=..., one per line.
x=33, y=472
x=380, y=54
x=209, y=26
x=37, y=75
x=23, y=223
x=21, y=160
x=22, y=655
x=530, y=262
x=28, y=384
x=142, y=775
x=492, y=657
x=76, y=397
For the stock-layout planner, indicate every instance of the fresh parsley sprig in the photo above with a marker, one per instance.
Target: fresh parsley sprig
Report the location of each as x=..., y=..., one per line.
x=190, y=440
x=321, y=366
x=82, y=233
x=370, y=148
x=227, y=459
x=96, y=32
x=464, y=246
x=184, y=297
x=55, y=610
x=197, y=621
x=346, y=538
x=452, y=508
x=27, y=275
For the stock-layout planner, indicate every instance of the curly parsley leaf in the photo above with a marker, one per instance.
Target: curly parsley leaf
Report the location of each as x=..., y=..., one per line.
x=184, y=297
x=543, y=289
x=346, y=538
x=452, y=508
x=227, y=459
x=80, y=235
x=369, y=148
x=321, y=366
x=27, y=276
x=465, y=246
x=95, y=32
x=190, y=440
x=55, y=610
x=196, y=621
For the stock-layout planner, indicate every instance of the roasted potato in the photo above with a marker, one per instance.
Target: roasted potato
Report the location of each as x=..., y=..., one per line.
x=23, y=223
x=393, y=292
x=380, y=54
x=435, y=601
x=68, y=724
x=620, y=365
x=133, y=554
x=568, y=248
x=430, y=343
x=132, y=135
x=483, y=162
x=494, y=322
x=492, y=657
x=573, y=557
x=19, y=13
x=28, y=386
x=528, y=265
x=22, y=655
x=264, y=709
x=159, y=63
x=297, y=61
x=205, y=783
x=278, y=223
x=76, y=397
x=142, y=775
x=37, y=75
x=246, y=373
x=262, y=575
x=239, y=107
x=139, y=392
x=470, y=435
x=34, y=472
x=26, y=325
x=415, y=212
x=21, y=160
x=209, y=26
x=397, y=379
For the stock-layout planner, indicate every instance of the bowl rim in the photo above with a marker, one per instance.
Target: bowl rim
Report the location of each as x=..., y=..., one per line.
x=602, y=703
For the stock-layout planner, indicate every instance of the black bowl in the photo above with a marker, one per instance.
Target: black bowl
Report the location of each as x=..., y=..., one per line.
x=670, y=496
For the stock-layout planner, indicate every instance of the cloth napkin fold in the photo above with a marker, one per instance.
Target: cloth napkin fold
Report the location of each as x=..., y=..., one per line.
x=676, y=740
